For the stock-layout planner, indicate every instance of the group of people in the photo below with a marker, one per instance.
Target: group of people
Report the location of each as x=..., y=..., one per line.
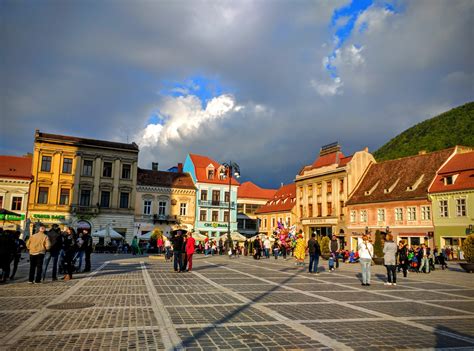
x=66, y=250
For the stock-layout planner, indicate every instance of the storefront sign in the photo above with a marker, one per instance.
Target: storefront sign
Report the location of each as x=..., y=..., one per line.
x=216, y=225
x=47, y=216
x=8, y=217
x=319, y=221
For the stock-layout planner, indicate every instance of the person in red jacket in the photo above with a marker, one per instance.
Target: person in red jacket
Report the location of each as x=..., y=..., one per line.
x=190, y=246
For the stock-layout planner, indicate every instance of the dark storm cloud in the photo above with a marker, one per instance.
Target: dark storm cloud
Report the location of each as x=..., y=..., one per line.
x=95, y=69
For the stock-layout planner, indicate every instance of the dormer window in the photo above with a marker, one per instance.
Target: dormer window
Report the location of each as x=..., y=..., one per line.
x=210, y=174
x=368, y=192
x=449, y=180
x=390, y=189
x=414, y=186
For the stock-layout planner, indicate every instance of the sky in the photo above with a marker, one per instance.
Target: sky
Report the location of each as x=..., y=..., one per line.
x=262, y=83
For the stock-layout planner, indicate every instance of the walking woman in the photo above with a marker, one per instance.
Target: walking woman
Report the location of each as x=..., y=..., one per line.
x=300, y=250
x=366, y=252
x=69, y=249
x=190, y=247
x=390, y=259
x=403, y=257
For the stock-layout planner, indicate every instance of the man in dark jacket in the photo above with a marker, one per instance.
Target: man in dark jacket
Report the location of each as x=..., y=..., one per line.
x=177, y=241
x=335, y=247
x=314, y=251
x=20, y=245
x=7, y=249
x=87, y=249
x=55, y=238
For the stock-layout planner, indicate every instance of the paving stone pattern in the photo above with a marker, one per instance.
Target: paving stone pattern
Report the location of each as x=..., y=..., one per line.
x=142, y=304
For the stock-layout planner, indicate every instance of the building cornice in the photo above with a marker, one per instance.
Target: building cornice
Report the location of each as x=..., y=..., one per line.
x=164, y=190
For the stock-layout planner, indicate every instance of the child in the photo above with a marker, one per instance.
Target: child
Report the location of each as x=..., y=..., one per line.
x=276, y=249
x=331, y=263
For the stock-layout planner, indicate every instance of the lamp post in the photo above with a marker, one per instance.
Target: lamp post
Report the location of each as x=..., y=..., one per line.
x=230, y=168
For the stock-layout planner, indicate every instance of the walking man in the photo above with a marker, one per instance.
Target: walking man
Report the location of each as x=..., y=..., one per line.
x=37, y=245
x=334, y=247
x=314, y=251
x=19, y=247
x=55, y=238
x=177, y=242
x=87, y=249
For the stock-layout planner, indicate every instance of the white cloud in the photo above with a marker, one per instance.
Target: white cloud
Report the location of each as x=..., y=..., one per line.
x=328, y=89
x=372, y=19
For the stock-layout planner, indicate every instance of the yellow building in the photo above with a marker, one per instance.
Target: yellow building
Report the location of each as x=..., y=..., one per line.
x=323, y=187
x=164, y=200
x=281, y=208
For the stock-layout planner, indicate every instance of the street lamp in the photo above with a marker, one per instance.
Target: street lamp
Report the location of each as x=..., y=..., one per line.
x=230, y=169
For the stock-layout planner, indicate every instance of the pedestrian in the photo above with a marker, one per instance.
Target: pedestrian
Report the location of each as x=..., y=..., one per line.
x=300, y=250
x=159, y=244
x=167, y=249
x=80, y=251
x=135, y=247
x=88, y=246
x=267, y=246
x=366, y=252
x=257, y=249
x=20, y=245
x=390, y=260
x=38, y=244
x=314, y=251
x=423, y=258
x=334, y=248
x=442, y=259
x=206, y=247
x=221, y=247
x=69, y=247
x=276, y=249
x=403, y=257
x=190, y=247
x=184, y=257
x=55, y=238
x=177, y=241
x=7, y=251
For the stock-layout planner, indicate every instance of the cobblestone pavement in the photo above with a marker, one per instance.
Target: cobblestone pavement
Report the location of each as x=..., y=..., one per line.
x=140, y=303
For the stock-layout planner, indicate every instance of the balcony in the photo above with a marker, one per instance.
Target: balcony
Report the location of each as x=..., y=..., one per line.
x=216, y=204
x=165, y=218
x=85, y=209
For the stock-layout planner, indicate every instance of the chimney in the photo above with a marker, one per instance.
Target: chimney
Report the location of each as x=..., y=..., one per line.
x=154, y=166
x=422, y=152
x=180, y=168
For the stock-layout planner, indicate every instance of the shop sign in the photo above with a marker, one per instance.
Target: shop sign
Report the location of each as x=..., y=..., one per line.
x=8, y=217
x=319, y=221
x=216, y=225
x=47, y=216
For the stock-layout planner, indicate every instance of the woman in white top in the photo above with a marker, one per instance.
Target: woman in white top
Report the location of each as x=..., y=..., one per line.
x=366, y=252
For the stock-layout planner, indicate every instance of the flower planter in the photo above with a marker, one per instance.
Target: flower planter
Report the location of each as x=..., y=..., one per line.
x=468, y=267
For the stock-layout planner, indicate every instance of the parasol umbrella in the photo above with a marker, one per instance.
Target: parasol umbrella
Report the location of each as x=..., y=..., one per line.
x=199, y=236
x=107, y=233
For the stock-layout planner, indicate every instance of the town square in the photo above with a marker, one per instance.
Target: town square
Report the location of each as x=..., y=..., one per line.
x=237, y=175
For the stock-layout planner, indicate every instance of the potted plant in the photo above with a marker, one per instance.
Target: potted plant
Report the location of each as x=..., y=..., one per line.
x=378, y=248
x=324, y=245
x=468, y=249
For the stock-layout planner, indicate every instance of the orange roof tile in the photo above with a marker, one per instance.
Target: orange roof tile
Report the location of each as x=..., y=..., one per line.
x=200, y=164
x=165, y=179
x=16, y=167
x=283, y=200
x=461, y=165
x=252, y=191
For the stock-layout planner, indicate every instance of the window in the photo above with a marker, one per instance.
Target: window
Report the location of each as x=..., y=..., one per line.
x=310, y=190
x=353, y=216
x=215, y=216
x=320, y=209
x=210, y=174
x=425, y=213
x=399, y=214
x=87, y=168
x=1, y=201
x=162, y=208
x=85, y=198
x=43, y=195
x=329, y=187
x=381, y=215
x=105, y=199
x=226, y=196
x=16, y=203
x=67, y=165
x=147, y=207
x=443, y=208
x=204, y=195
x=124, y=200
x=46, y=164
x=64, y=197
x=411, y=213
x=341, y=204
x=310, y=210
x=264, y=222
x=126, y=171
x=226, y=216
x=273, y=223
x=319, y=188
x=240, y=208
x=288, y=221
x=182, y=209
x=107, y=170
x=216, y=196
x=329, y=209
x=341, y=185
x=461, y=207
x=251, y=208
x=363, y=216
x=448, y=180
x=301, y=211
x=203, y=215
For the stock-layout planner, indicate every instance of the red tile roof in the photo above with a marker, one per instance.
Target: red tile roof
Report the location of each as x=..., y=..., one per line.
x=461, y=165
x=16, y=167
x=391, y=180
x=345, y=160
x=200, y=164
x=283, y=200
x=332, y=158
x=250, y=190
x=165, y=179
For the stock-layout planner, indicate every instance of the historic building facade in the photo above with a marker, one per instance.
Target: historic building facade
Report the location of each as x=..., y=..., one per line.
x=89, y=184
x=250, y=197
x=452, y=196
x=164, y=199
x=323, y=187
x=15, y=180
x=213, y=196
x=393, y=197
x=281, y=208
